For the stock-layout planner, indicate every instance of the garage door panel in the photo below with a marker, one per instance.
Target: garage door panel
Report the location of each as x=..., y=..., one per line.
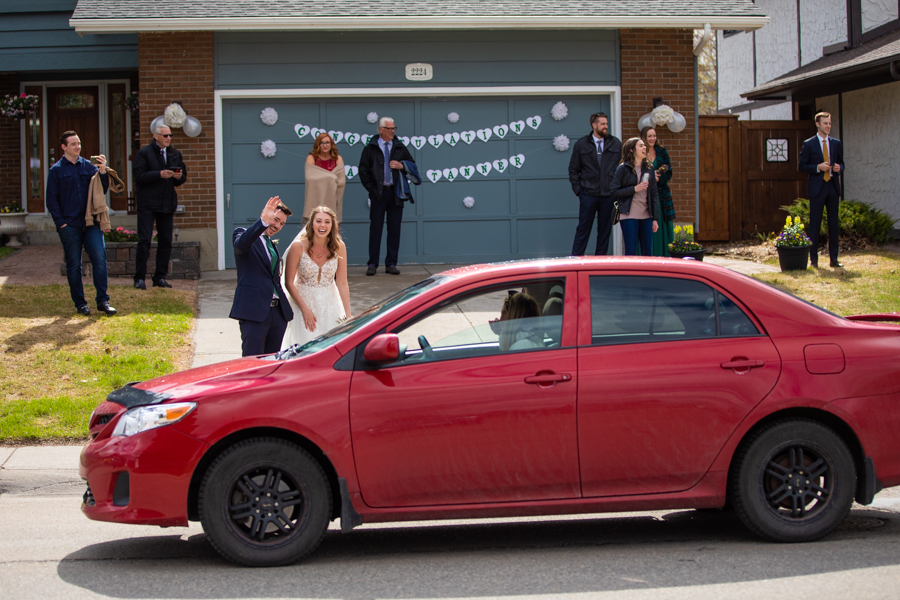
x=543, y=196
x=352, y=116
x=445, y=199
x=245, y=122
x=247, y=164
x=545, y=237
x=356, y=205
x=356, y=237
x=474, y=114
x=248, y=199
x=542, y=160
x=576, y=123
x=467, y=238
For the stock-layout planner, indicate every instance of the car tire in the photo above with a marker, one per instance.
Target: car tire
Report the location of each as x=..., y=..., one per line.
x=793, y=481
x=264, y=502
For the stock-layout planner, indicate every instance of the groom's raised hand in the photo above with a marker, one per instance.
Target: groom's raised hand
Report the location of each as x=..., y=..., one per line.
x=268, y=211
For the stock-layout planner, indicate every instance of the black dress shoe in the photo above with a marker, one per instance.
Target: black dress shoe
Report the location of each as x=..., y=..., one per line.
x=106, y=308
x=393, y=270
x=83, y=310
x=140, y=285
x=836, y=264
x=370, y=271
x=161, y=283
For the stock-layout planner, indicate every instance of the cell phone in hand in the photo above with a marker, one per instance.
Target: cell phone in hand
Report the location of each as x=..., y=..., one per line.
x=95, y=160
x=645, y=178
x=176, y=170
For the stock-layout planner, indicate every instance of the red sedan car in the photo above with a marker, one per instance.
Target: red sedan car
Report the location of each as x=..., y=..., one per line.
x=530, y=388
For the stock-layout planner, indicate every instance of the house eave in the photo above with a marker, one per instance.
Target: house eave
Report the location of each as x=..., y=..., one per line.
x=413, y=23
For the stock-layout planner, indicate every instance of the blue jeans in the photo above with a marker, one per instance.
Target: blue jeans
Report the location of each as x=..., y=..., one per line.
x=634, y=230
x=91, y=238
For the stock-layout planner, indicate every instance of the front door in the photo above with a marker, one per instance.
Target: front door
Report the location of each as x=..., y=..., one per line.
x=73, y=109
x=473, y=412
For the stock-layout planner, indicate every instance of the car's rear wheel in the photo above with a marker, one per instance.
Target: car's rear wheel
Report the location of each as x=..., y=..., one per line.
x=793, y=481
x=265, y=502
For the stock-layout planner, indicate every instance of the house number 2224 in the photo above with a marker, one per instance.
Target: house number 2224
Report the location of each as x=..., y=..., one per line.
x=419, y=72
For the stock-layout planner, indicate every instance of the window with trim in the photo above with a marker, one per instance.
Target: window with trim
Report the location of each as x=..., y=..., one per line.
x=521, y=317
x=630, y=309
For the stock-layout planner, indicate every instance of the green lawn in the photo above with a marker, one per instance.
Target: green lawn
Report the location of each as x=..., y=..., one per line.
x=57, y=366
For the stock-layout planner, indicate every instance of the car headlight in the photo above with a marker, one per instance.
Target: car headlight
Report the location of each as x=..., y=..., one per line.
x=144, y=418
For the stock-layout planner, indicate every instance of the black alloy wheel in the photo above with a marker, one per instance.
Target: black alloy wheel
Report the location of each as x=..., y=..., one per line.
x=793, y=481
x=265, y=502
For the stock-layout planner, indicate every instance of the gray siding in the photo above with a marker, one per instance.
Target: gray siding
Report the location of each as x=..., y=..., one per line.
x=367, y=59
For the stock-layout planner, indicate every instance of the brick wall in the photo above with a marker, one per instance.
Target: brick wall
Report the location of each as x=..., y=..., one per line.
x=660, y=63
x=178, y=67
x=10, y=157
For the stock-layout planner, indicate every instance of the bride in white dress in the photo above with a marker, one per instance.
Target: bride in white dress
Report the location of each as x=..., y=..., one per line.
x=315, y=278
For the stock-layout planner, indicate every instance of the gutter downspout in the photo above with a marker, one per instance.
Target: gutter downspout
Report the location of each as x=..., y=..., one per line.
x=707, y=34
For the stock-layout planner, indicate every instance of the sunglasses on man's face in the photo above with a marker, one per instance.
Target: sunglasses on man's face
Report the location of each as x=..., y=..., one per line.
x=166, y=135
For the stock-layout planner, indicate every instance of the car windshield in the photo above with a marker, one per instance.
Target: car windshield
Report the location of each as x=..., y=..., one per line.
x=348, y=327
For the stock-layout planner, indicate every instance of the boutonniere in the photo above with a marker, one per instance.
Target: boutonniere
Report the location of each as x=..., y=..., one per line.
x=274, y=242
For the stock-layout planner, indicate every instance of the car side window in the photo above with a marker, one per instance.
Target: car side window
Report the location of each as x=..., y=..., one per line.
x=629, y=309
x=520, y=317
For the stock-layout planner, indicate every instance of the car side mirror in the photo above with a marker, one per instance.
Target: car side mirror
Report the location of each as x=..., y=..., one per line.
x=383, y=348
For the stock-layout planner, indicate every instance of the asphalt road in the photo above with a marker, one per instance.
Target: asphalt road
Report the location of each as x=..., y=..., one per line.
x=49, y=550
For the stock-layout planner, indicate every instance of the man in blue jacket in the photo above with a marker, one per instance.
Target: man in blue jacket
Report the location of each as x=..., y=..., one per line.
x=822, y=158
x=260, y=303
x=68, y=183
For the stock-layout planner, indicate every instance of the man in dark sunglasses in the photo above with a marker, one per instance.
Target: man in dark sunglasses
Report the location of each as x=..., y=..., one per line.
x=158, y=169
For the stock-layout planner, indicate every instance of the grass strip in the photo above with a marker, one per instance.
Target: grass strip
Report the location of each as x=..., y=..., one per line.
x=57, y=365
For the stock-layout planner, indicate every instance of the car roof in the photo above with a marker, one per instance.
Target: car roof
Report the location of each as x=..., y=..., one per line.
x=577, y=263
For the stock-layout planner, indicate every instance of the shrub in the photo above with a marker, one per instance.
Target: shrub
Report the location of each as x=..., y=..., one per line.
x=861, y=225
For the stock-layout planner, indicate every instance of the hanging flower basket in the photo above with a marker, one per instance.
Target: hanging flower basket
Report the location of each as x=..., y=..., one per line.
x=133, y=103
x=19, y=107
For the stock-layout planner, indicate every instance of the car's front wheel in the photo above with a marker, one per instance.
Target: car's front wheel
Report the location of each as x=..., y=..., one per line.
x=265, y=502
x=793, y=481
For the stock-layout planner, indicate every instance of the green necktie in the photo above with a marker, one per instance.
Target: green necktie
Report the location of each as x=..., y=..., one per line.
x=271, y=248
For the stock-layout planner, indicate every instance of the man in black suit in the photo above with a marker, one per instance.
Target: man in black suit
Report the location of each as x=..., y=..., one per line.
x=260, y=303
x=380, y=169
x=591, y=169
x=822, y=158
x=158, y=169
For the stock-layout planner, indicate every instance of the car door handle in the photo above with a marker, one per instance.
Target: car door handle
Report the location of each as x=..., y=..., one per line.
x=743, y=364
x=545, y=378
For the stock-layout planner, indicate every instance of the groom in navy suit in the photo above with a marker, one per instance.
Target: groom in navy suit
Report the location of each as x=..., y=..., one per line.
x=822, y=158
x=260, y=303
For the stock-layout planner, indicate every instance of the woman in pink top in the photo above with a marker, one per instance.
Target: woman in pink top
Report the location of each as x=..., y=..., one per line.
x=634, y=188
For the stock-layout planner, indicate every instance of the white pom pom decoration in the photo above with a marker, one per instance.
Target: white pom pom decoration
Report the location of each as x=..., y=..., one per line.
x=267, y=148
x=174, y=115
x=453, y=117
x=469, y=201
x=269, y=116
x=372, y=117
x=662, y=115
x=559, y=111
x=561, y=143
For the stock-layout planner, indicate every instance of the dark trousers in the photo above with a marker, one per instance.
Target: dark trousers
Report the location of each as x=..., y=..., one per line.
x=589, y=206
x=263, y=337
x=73, y=239
x=634, y=230
x=827, y=200
x=386, y=205
x=164, y=226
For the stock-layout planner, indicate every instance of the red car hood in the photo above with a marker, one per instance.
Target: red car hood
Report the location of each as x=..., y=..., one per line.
x=202, y=379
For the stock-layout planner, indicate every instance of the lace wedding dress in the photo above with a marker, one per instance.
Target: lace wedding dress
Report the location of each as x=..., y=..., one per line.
x=320, y=293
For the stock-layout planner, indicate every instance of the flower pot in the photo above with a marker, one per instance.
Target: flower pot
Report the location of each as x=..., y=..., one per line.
x=694, y=254
x=13, y=225
x=793, y=258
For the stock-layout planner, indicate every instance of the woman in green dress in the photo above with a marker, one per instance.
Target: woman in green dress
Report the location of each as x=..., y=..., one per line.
x=659, y=161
